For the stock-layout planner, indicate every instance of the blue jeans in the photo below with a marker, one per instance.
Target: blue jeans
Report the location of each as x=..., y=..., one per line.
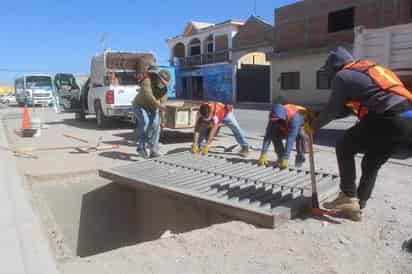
x=230, y=121
x=147, y=124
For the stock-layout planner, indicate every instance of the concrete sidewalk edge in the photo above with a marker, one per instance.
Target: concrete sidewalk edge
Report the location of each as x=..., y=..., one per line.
x=31, y=241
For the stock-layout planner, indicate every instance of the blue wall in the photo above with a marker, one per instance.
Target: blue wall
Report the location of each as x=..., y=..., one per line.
x=217, y=81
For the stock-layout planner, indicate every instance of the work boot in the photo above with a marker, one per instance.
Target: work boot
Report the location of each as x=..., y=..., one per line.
x=142, y=153
x=154, y=153
x=244, y=152
x=345, y=206
x=299, y=160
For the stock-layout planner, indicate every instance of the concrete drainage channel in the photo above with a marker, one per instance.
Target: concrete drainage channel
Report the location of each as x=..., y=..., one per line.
x=84, y=214
x=264, y=196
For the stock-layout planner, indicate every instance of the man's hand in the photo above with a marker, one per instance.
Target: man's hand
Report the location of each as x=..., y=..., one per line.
x=162, y=107
x=205, y=150
x=195, y=148
x=263, y=160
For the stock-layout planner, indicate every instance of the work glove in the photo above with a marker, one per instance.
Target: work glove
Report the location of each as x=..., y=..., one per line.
x=205, y=150
x=195, y=148
x=263, y=160
x=282, y=164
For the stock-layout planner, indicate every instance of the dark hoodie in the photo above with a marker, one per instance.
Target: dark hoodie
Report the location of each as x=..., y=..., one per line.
x=352, y=85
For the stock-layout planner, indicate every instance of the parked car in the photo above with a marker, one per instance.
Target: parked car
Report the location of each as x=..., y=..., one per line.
x=9, y=98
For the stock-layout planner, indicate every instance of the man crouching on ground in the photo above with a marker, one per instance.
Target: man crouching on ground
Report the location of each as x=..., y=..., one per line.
x=211, y=116
x=285, y=123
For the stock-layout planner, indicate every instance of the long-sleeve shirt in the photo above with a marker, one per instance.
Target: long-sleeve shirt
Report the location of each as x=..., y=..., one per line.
x=150, y=95
x=272, y=134
x=354, y=85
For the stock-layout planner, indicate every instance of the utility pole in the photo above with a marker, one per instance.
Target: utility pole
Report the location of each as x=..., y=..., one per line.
x=254, y=7
x=103, y=41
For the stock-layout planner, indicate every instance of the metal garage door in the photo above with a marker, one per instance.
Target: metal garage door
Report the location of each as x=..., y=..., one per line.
x=253, y=83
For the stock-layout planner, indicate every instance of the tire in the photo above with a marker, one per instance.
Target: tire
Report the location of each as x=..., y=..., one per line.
x=80, y=116
x=101, y=119
x=7, y=102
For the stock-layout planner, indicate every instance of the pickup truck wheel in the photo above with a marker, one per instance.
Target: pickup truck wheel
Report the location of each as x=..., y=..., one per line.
x=80, y=116
x=101, y=119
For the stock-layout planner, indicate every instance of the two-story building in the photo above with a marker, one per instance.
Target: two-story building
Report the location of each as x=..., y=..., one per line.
x=202, y=58
x=307, y=30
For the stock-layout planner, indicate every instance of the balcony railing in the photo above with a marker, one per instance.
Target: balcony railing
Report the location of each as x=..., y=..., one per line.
x=204, y=59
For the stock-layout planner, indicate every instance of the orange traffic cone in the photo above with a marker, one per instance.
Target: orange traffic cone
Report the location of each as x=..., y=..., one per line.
x=26, y=118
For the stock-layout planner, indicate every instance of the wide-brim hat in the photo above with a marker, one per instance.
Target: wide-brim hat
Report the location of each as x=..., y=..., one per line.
x=163, y=74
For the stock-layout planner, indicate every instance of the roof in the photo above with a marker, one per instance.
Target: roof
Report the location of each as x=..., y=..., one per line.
x=195, y=27
x=201, y=25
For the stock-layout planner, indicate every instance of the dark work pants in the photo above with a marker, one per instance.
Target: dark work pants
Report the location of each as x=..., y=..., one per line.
x=378, y=137
x=301, y=140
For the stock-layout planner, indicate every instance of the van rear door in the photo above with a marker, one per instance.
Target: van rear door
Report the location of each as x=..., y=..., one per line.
x=69, y=93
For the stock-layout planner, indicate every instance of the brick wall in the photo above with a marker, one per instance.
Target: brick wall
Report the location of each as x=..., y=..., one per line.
x=305, y=24
x=254, y=32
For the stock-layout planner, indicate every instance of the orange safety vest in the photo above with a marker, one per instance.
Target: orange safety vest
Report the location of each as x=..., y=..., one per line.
x=219, y=111
x=291, y=111
x=386, y=79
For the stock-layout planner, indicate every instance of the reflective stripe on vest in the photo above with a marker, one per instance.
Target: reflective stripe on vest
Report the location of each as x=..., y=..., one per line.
x=386, y=79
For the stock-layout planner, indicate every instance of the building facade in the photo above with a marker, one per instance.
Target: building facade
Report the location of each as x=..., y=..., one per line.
x=307, y=30
x=251, y=68
x=202, y=58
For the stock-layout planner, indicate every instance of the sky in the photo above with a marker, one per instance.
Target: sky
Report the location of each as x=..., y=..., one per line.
x=63, y=35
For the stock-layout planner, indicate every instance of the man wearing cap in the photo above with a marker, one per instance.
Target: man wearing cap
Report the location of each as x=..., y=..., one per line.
x=151, y=98
x=212, y=115
x=384, y=109
x=285, y=122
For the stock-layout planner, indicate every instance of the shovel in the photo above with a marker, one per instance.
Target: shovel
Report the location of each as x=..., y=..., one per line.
x=316, y=210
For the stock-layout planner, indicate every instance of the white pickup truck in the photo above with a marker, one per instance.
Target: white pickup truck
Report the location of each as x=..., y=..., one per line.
x=111, y=88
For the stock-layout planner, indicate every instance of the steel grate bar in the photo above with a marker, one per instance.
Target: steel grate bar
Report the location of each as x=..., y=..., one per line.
x=265, y=196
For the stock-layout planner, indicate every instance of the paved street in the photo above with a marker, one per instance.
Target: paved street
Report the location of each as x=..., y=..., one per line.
x=92, y=225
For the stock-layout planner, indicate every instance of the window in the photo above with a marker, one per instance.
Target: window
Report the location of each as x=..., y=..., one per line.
x=195, y=50
x=341, y=20
x=290, y=80
x=323, y=81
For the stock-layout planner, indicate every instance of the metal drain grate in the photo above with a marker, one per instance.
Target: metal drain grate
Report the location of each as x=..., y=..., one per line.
x=264, y=196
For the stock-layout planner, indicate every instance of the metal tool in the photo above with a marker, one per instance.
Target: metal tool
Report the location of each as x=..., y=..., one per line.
x=316, y=210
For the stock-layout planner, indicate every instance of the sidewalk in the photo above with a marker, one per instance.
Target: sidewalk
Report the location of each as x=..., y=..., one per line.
x=24, y=248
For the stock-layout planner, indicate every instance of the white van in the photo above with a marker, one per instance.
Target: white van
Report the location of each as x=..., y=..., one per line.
x=34, y=89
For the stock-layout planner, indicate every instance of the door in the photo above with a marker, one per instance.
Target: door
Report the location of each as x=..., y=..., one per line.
x=68, y=92
x=197, y=88
x=253, y=83
x=185, y=89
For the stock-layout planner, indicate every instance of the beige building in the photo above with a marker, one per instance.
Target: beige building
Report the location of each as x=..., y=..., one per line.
x=296, y=78
x=305, y=32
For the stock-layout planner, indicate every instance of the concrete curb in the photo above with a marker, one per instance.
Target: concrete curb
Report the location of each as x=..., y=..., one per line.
x=24, y=247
